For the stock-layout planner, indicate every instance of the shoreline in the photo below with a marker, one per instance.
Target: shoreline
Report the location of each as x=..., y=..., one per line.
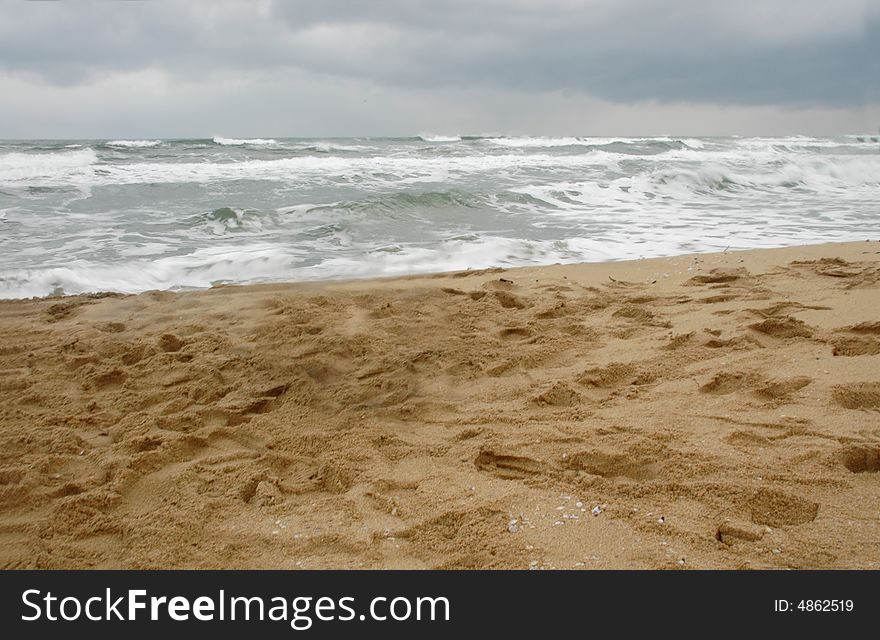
x=709, y=410
x=318, y=282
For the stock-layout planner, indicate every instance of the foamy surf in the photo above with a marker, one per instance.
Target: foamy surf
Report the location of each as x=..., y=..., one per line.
x=552, y=142
x=133, y=144
x=429, y=137
x=54, y=166
x=130, y=216
x=237, y=142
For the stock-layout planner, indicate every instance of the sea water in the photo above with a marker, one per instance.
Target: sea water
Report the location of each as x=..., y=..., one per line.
x=133, y=215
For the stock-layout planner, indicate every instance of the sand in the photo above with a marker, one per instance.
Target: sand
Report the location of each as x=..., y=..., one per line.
x=709, y=411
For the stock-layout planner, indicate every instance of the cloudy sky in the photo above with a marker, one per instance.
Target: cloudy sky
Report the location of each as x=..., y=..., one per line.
x=401, y=67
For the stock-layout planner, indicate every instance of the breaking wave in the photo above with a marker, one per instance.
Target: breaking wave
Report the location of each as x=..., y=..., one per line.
x=133, y=144
x=131, y=215
x=428, y=137
x=238, y=142
x=548, y=142
x=56, y=165
x=264, y=262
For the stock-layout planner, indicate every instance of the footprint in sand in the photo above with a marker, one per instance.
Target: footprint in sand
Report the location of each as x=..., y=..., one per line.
x=775, y=508
x=509, y=467
x=635, y=313
x=720, y=276
x=723, y=297
x=559, y=395
x=170, y=343
x=557, y=311
x=851, y=274
x=725, y=383
x=861, y=458
x=713, y=341
x=515, y=333
x=747, y=438
x=860, y=395
x=779, y=389
x=610, y=376
x=630, y=465
x=865, y=327
x=106, y=379
x=857, y=346
x=861, y=344
x=785, y=327
x=509, y=301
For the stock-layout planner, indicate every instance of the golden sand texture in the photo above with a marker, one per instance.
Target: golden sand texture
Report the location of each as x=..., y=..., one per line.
x=720, y=410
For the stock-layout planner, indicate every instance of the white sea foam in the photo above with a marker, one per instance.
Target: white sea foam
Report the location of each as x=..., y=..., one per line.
x=766, y=167
x=265, y=262
x=548, y=142
x=570, y=141
x=794, y=143
x=763, y=166
x=238, y=142
x=375, y=170
x=53, y=166
x=430, y=137
x=693, y=143
x=330, y=147
x=199, y=213
x=705, y=182
x=199, y=269
x=133, y=144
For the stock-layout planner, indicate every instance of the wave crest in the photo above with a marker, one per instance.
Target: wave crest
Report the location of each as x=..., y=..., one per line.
x=238, y=142
x=429, y=137
x=133, y=144
x=17, y=166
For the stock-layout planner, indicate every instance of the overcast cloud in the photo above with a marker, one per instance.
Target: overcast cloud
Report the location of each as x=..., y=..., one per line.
x=397, y=67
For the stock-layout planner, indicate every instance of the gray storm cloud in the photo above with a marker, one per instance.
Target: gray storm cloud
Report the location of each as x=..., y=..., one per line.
x=337, y=66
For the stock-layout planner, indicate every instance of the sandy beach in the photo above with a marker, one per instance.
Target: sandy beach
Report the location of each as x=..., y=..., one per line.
x=707, y=411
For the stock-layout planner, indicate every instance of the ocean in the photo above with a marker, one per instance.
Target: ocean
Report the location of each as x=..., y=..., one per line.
x=134, y=215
